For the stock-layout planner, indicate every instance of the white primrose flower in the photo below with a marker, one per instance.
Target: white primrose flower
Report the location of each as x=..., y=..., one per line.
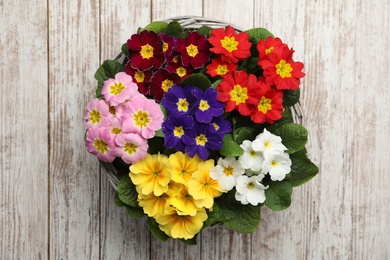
x=251, y=159
x=277, y=165
x=250, y=189
x=226, y=172
x=268, y=143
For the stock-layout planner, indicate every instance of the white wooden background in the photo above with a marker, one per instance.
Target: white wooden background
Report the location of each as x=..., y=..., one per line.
x=56, y=204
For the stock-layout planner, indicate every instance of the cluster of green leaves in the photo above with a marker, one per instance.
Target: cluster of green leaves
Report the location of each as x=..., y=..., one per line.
x=226, y=210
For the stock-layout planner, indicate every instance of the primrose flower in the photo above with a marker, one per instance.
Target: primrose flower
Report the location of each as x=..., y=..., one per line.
x=268, y=143
x=231, y=45
x=153, y=206
x=114, y=125
x=183, y=202
x=206, y=140
x=281, y=70
x=141, y=78
x=131, y=147
x=142, y=116
x=183, y=166
x=269, y=106
x=100, y=142
x=152, y=174
x=178, y=131
x=226, y=172
x=161, y=82
x=251, y=159
x=237, y=91
x=174, y=65
x=120, y=89
x=194, y=50
x=168, y=43
x=217, y=67
x=181, y=226
x=202, y=187
x=265, y=47
x=221, y=126
x=207, y=105
x=145, y=50
x=278, y=165
x=250, y=189
x=179, y=100
x=96, y=113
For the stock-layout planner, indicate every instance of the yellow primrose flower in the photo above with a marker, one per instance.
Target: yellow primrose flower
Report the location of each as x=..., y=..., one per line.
x=202, y=188
x=152, y=174
x=183, y=166
x=181, y=226
x=183, y=202
x=153, y=205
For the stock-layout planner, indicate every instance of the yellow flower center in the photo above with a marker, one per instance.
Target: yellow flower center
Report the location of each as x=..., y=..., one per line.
x=176, y=59
x=252, y=153
x=116, y=88
x=264, y=105
x=269, y=50
x=192, y=50
x=130, y=148
x=201, y=140
x=250, y=186
x=228, y=170
x=146, y=51
x=95, y=116
x=229, y=43
x=274, y=163
x=283, y=69
x=181, y=71
x=182, y=105
x=203, y=105
x=165, y=46
x=141, y=118
x=166, y=84
x=222, y=70
x=116, y=130
x=267, y=144
x=216, y=127
x=139, y=76
x=100, y=145
x=239, y=94
x=178, y=131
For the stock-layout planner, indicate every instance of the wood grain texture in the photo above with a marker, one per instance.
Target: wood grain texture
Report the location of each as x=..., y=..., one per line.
x=120, y=236
x=23, y=131
x=56, y=203
x=74, y=184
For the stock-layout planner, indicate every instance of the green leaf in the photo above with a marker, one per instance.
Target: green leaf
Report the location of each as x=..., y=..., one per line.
x=230, y=147
x=213, y=216
x=278, y=195
x=157, y=26
x=286, y=119
x=215, y=83
x=302, y=169
x=259, y=33
x=291, y=97
x=241, y=218
x=198, y=80
x=125, y=49
x=159, y=133
x=190, y=242
x=107, y=70
x=134, y=212
x=118, y=201
x=294, y=136
x=127, y=192
x=205, y=30
x=156, y=231
x=173, y=29
x=243, y=133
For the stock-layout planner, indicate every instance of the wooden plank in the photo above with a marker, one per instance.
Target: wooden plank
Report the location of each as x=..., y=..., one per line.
x=23, y=131
x=120, y=236
x=74, y=182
